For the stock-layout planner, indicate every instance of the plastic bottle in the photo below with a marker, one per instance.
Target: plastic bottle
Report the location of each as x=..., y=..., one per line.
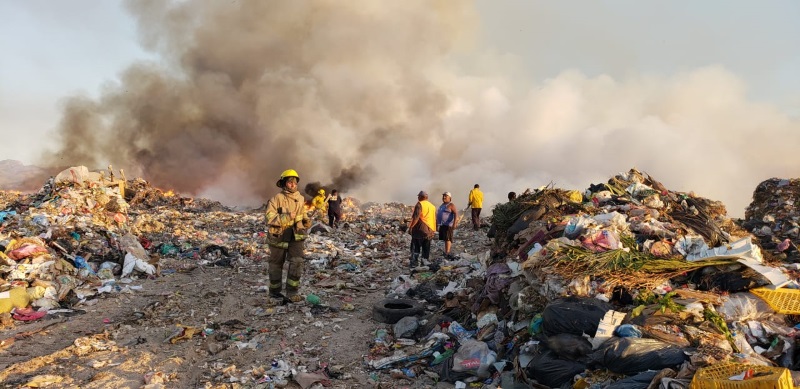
x=19, y=297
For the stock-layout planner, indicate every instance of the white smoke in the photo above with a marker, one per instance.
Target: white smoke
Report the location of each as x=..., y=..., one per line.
x=694, y=131
x=377, y=95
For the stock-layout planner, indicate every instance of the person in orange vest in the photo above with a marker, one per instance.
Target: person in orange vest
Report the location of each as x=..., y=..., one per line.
x=422, y=229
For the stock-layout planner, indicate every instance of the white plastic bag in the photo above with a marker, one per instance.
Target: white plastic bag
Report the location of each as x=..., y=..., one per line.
x=475, y=357
x=132, y=263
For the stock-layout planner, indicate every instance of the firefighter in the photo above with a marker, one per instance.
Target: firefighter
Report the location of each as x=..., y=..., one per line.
x=319, y=204
x=287, y=226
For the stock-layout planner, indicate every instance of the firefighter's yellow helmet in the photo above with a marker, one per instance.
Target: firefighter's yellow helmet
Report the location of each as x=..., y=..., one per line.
x=321, y=191
x=286, y=174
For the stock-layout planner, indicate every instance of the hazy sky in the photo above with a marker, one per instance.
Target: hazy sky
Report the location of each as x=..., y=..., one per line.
x=682, y=90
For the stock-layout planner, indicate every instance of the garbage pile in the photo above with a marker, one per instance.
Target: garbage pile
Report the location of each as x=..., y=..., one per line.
x=773, y=218
x=626, y=285
x=66, y=242
x=87, y=237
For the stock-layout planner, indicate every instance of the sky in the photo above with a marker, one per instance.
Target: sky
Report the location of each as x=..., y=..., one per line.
x=704, y=96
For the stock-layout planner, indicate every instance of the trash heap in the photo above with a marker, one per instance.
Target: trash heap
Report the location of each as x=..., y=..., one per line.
x=773, y=218
x=83, y=231
x=86, y=237
x=69, y=241
x=626, y=285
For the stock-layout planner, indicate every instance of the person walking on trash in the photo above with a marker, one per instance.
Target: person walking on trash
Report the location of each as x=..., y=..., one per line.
x=334, y=202
x=476, y=203
x=287, y=226
x=422, y=229
x=446, y=217
x=319, y=204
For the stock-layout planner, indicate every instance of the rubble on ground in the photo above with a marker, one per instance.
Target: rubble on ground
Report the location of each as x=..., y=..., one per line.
x=624, y=285
x=773, y=218
x=627, y=284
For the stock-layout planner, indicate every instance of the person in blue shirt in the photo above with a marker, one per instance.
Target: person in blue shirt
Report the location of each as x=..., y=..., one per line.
x=446, y=216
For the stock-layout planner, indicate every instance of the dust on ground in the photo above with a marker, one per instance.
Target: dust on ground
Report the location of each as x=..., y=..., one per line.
x=122, y=340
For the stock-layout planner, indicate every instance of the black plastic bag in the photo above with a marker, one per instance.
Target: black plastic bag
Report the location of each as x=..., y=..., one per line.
x=549, y=370
x=573, y=315
x=639, y=381
x=568, y=346
x=634, y=355
x=728, y=281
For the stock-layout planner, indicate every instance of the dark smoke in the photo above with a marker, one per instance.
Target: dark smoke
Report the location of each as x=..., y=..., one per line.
x=347, y=179
x=244, y=90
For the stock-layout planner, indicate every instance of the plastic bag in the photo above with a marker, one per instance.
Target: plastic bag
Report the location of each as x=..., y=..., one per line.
x=639, y=381
x=612, y=220
x=402, y=284
x=640, y=190
x=744, y=306
x=601, y=241
x=547, y=369
x=575, y=316
x=628, y=331
x=406, y=327
x=132, y=263
x=576, y=226
x=634, y=355
x=568, y=346
x=459, y=331
x=474, y=356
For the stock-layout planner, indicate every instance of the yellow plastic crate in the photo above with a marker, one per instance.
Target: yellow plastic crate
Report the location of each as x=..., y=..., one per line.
x=782, y=300
x=716, y=377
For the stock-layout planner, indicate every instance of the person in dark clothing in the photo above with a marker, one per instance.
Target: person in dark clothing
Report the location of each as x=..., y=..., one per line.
x=334, y=208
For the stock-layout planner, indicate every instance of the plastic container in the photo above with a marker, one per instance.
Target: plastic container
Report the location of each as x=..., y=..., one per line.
x=765, y=377
x=782, y=300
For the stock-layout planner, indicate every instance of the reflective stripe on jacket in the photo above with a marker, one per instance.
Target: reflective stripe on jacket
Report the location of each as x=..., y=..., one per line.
x=318, y=202
x=286, y=219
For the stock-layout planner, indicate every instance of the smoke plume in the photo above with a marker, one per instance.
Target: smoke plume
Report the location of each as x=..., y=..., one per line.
x=245, y=90
x=371, y=98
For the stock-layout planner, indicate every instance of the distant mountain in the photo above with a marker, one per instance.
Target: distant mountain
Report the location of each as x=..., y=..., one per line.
x=14, y=175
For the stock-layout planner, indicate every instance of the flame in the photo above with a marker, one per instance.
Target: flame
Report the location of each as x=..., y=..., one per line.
x=169, y=193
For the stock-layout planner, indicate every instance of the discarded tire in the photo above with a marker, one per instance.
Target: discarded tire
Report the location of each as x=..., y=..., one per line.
x=390, y=311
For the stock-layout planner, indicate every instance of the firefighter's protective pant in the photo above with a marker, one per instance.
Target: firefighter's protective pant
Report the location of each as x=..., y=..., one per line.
x=277, y=257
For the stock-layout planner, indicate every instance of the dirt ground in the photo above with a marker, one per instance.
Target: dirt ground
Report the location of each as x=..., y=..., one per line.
x=132, y=331
x=122, y=340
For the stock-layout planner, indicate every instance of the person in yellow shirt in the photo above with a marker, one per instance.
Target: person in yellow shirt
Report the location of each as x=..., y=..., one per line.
x=422, y=229
x=476, y=203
